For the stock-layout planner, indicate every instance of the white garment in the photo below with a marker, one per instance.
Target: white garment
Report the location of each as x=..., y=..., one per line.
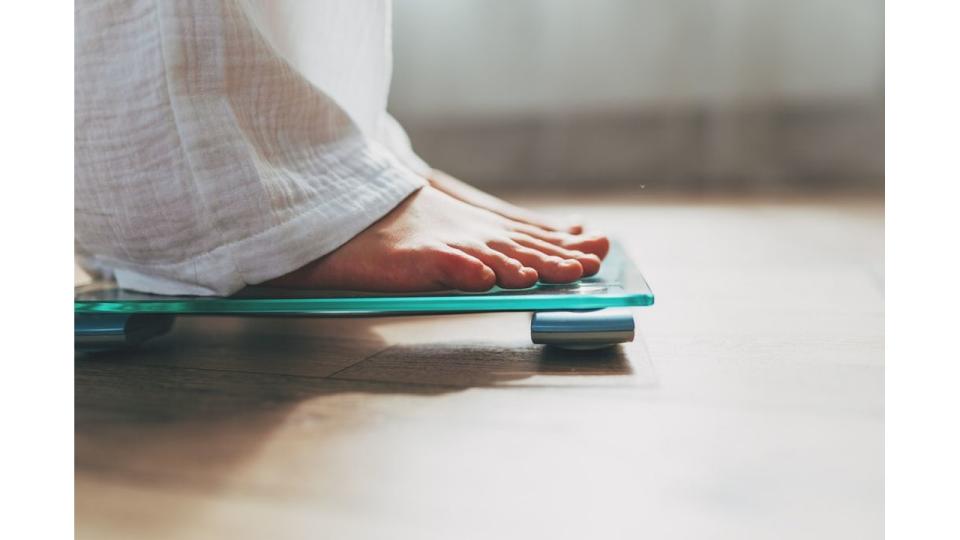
x=220, y=143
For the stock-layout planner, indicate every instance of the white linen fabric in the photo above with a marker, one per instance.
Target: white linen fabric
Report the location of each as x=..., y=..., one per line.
x=220, y=143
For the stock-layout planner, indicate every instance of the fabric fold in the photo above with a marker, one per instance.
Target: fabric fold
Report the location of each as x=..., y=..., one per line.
x=205, y=161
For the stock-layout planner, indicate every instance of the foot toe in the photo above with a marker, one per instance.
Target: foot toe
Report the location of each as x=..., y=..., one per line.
x=563, y=270
x=459, y=270
x=588, y=261
x=511, y=273
x=596, y=244
x=550, y=268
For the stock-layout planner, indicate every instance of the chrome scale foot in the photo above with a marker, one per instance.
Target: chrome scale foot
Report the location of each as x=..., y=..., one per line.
x=582, y=330
x=109, y=331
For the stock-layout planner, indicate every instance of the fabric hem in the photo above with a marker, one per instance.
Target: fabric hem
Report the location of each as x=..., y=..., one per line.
x=275, y=251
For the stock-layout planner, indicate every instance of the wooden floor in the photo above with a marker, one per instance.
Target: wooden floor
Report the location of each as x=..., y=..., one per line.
x=749, y=406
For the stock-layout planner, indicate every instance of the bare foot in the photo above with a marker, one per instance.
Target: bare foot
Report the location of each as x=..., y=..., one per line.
x=433, y=241
x=469, y=194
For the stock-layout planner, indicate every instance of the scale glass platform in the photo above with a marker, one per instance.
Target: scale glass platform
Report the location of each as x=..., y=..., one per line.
x=571, y=314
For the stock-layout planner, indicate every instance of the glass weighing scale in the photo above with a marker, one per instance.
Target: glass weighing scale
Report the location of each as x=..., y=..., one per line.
x=591, y=313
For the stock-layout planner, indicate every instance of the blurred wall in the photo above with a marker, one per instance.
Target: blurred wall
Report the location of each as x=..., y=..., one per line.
x=676, y=95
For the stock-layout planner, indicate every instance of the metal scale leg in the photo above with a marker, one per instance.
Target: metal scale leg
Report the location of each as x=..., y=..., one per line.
x=594, y=329
x=108, y=331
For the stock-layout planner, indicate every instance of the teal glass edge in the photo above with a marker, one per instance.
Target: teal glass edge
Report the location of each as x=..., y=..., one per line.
x=333, y=306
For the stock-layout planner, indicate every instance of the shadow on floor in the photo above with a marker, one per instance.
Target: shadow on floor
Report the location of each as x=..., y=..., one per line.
x=188, y=409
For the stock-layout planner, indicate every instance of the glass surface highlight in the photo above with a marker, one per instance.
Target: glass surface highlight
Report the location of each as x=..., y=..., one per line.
x=618, y=284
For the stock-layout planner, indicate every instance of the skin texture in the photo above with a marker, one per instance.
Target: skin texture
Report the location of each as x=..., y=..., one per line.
x=436, y=241
x=469, y=194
